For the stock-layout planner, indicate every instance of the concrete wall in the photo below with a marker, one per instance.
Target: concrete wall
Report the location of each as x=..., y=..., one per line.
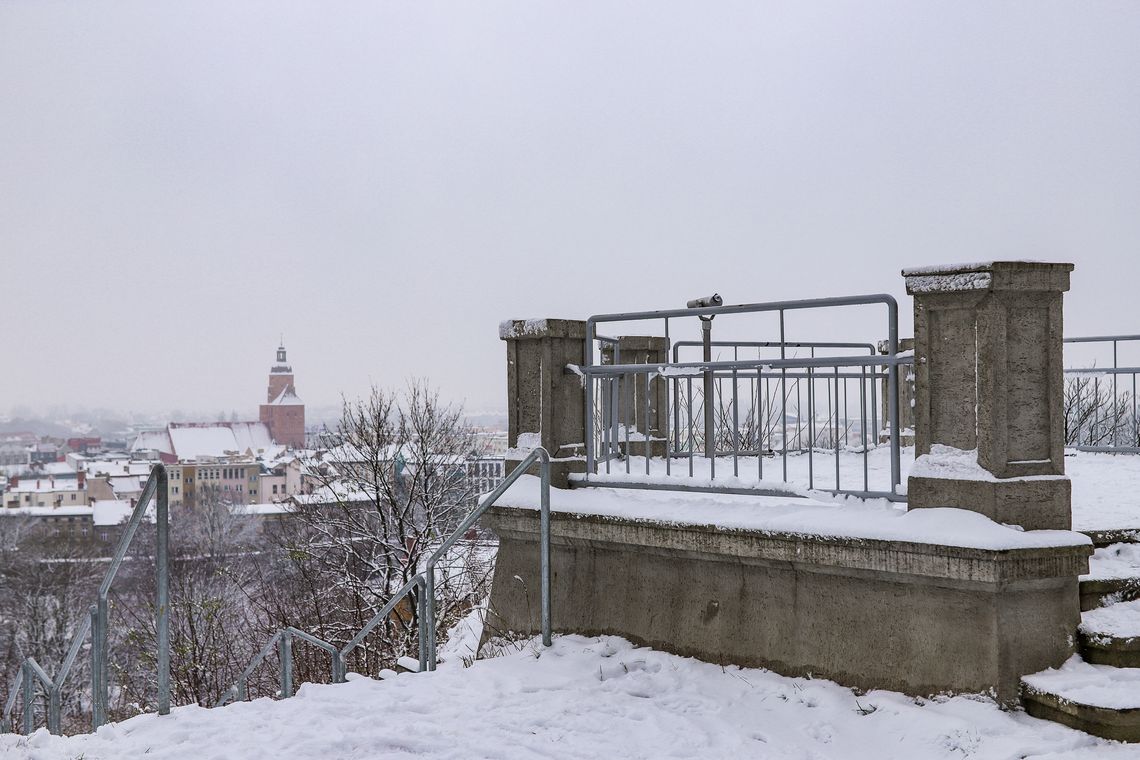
x=917, y=618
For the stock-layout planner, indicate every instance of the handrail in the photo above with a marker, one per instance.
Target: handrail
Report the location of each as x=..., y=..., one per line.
x=424, y=584
x=98, y=621
x=780, y=307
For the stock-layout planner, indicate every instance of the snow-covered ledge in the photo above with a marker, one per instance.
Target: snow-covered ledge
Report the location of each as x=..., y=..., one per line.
x=928, y=601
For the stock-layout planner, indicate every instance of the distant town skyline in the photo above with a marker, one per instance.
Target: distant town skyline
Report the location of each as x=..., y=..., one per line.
x=384, y=183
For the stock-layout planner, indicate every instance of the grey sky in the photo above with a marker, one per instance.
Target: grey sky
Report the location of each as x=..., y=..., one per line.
x=385, y=182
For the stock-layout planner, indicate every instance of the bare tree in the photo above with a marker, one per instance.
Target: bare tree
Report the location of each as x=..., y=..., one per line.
x=385, y=499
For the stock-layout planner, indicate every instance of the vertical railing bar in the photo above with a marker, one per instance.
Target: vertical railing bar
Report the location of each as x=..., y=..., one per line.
x=863, y=421
x=544, y=548
x=285, y=654
x=162, y=591
x=647, y=426
x=689, y=403
x=629, y=382
x=811, y=428
x=784, y=397
x=1115, y=406
x=735, y=427
x=837, y=485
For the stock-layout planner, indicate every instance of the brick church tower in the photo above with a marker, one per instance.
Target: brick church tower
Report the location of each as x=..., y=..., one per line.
x=284, y=415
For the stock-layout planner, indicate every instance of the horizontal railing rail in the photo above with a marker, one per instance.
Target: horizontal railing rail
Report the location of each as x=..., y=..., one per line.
x=422, y=587
x=97, y=624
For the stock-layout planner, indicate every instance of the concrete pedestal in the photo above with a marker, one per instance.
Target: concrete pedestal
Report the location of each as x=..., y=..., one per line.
x=918, y=618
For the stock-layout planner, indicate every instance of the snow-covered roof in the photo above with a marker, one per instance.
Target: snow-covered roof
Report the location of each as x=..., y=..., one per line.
x=45, y=485
x=77, y=510
x=157, y=440
x=287, y=397
x=222, y=439
x=111, y=511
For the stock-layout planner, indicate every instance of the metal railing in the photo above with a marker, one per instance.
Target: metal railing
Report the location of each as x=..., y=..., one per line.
x=422, y=585
x=1101, y=402
x=98, y=623
x=717, y=415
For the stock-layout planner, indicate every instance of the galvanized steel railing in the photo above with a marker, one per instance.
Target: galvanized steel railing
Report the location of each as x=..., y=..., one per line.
x=422, y=585
x=1101, y=402
x=97, y=623
x=696, y=407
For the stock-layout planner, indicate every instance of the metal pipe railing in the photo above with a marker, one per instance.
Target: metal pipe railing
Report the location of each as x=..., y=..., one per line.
x=97, y=623
x=422, y=584
x=610, y=434
x=1102, y=420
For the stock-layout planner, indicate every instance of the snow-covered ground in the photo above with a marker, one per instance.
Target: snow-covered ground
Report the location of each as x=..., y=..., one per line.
x=1106, y=487
x=583, y=698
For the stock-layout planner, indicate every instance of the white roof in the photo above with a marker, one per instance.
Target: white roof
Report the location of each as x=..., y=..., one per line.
x=287, y=397
x=112, y=511
x=45, y=485
x=78, y=510
x=153, y=439
x=223, y=439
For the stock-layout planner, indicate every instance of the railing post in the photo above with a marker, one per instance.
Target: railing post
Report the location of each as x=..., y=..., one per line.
x=29, y=689
x=285, y=651
x=162, y=593
x=421, y=607
x=242, y=690
x=337, y=668
x=54, y=708
x=429, y=614
x=544, y=543
x=98, y=663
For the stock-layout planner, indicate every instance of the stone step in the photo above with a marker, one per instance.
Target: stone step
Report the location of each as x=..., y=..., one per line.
x=1102, y=538
x=1111, y=635
x=1099, y=592
x=1098, y=699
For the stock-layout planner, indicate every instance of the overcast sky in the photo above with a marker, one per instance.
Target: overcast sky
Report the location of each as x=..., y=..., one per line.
x=384, y=182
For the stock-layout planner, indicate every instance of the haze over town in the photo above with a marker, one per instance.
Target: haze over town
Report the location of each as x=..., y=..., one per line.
x=383, y=182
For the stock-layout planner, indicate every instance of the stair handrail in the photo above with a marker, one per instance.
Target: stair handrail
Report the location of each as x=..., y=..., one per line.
x=423, y=584
x=97, y=623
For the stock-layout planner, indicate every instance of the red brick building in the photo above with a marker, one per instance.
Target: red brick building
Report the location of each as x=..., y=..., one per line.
x=284, y=414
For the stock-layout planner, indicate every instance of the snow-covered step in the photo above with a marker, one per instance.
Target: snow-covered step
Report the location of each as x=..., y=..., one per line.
x=1111, y=635
x=1099, y=699
x=407, y=665
x=387, y=673
x=1114, y=576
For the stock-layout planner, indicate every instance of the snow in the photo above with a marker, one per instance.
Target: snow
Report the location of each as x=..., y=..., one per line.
x=1083, y=683
x=529, y=441
x=512, y=328
x=582, y=698
x=1116, y=621
x=856, y=519
x=1114, y=562
x=191, y=441
x=942, y=283
x=114, y=511
x=1106, y=487
x=974, y=266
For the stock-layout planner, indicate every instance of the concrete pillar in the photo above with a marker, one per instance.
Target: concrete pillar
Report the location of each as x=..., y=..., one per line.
x=906, y=398
x=546, y=402
x=988, y=371
x=641, y=349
